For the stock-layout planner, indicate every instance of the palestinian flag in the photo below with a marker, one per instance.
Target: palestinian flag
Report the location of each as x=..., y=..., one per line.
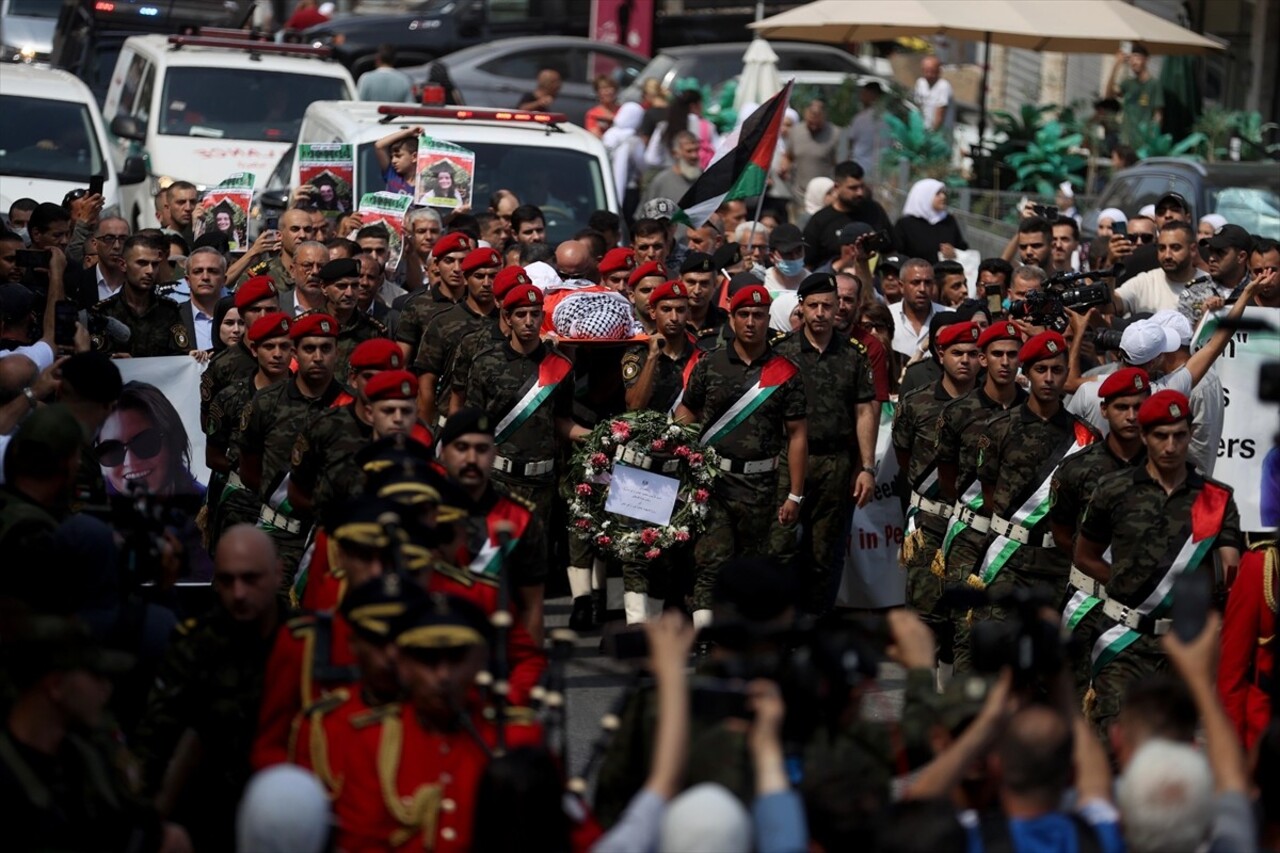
x=741, y=171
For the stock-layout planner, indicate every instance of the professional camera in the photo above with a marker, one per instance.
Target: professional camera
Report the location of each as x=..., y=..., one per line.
x=880, y=241
x=1047, y=307
x=1024, y=641
x=1105, y=339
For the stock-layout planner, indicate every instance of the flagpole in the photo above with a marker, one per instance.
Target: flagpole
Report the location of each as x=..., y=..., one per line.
x=755, y=220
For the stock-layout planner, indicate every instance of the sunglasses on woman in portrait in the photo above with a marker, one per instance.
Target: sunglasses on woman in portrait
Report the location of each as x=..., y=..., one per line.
x=145, y=445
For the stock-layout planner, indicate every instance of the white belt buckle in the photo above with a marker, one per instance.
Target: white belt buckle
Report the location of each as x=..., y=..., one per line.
x=757, y=466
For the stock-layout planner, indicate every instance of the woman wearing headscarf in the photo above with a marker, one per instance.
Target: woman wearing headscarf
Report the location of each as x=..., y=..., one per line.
x=925, y=229
x=1209, y=225
x=1100, y=246
x=625, y=146
x=1107, y=218
x=817, y=195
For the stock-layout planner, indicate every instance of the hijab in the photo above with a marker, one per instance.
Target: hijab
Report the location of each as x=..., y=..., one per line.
x=815, y=194
x=1115, y=214
x=225, y=304
x=1217, y=220
x=626, y=121
x=920, y=201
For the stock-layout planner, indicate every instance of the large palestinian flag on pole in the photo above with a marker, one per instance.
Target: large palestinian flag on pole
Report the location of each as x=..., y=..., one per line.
x=742, y=171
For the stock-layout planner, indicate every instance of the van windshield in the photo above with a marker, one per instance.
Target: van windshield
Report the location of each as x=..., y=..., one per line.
x=35, y=8
x=53, y=140
x=566, y=184
x=233, y=103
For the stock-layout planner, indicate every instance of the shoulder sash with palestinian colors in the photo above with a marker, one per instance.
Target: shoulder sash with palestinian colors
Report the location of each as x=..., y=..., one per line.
x=688, y=371
x=488, y=560
x=773, y=375
x=972, y=498
x=1035, y=506
x=1185, y=553
x=551, y=372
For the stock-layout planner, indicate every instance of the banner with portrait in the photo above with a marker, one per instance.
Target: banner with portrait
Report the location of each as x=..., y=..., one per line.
x=330, y=167
x=388, y=210
x=872, y=577
x=156, y=428
x=1248, y=459
x=225, y=208
x=446, y=173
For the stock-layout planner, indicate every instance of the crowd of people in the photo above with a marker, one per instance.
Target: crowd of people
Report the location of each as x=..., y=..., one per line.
x=389, y=446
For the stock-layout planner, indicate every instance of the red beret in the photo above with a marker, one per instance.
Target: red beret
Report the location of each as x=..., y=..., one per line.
x=507, y=279
x=273, y=325
x=1164, y=407
x=314, y=325
x=455, y=241
x=485, y=256
x=1002, y=331
x=644, y=271
x=522, y=295
x=1125, y=382
x=617, y=259
x=257, y=288
x=392, y=385
x=376, y=354
x=752, y=294
x=669, y=290
x=957, y=333
x=1042, y=346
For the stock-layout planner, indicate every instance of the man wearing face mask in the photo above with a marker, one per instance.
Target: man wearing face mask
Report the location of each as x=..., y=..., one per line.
x=786, y=249
x=685, y=169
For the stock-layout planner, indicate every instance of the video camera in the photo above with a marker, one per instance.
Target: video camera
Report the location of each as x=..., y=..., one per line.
x=1025, y=642
x=1048, y=306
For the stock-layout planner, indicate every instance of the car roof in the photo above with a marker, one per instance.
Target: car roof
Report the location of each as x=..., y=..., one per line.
x=1211, y=171
x=740, y=47
x=468, y=54
x=364, y=117
x=216, y=57
x=52, y=84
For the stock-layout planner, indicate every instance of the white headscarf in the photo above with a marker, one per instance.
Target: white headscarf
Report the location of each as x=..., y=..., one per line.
x=920, y=201
x=1217, y=220
x=1115, y=214
x=1147, y=210
x=815, y=193
x=284, y=808
x=784, y=303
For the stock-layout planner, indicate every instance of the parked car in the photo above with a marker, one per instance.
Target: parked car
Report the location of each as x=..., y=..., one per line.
x=27, y=27
x=1247, y=194
x=499, y=73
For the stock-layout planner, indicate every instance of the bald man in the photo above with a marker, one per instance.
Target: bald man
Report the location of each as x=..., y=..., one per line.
x=933, y=95
x=574, y=261
x=296, y=228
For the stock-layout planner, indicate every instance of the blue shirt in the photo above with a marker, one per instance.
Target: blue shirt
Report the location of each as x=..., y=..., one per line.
x=395, y=183
x=1055, y=833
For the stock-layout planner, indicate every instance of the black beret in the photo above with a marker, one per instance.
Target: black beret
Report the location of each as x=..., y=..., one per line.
x=819, y=282
x=696, y=262
x=339, y=268
x=741, y=280
x=464, y=421
x=728, y=255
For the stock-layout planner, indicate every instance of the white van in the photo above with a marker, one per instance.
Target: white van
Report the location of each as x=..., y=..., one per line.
x=540, y=157
x=200, y=108
x=52, y=138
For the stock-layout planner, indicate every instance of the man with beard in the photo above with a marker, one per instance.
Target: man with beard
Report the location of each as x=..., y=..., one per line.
x=1170, y=208
x=915, y=442
x=154, y=321
x=911, y=316
x=448, y=287
x=1034, y=242
x=675, y=181
x=1160, y=289
x=852, y=203
x=1066, y=241
x=1228, y=252
x=308, y=259
x=1264, y=265
x=698, y=275
x=848, y=307
x=340, y=279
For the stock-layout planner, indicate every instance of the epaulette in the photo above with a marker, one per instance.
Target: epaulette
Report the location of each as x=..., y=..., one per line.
x=522, y=501
x=328, y=702
x=375, y=716
x=917, y=390
x=858, y=345
x=777, y=336
x=186, y=626
x=112, y=298
x=520, y=716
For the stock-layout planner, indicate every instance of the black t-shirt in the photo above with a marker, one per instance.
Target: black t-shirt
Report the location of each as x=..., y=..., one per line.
x=821, y=239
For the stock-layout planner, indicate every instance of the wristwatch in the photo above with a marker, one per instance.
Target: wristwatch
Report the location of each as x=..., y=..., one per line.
x=798, y=499
x=31, y=396
x=869, y=469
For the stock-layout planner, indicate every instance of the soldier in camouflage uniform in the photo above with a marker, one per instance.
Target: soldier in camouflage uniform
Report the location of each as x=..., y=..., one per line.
x=269, y=341
x=915, y=441
x=959, y=426
x=202, y=710
x=446, y=288
x=751, y=403
x=1017, y=455
x=476, y=342
x=272, y=422
x=295, y=228
x=254, y=299
x=1121, y=394
x=341, y=278
x=445, y=332
x=1161, y=520
x=843, y=418
x=706, y=319
x=154, y=321
x=526, y=388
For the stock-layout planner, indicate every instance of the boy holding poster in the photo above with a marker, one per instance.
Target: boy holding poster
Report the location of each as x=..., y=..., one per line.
x=398, y=159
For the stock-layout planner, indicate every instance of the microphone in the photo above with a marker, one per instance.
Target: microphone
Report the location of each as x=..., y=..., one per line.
x=117, y=331
x=1115, y=271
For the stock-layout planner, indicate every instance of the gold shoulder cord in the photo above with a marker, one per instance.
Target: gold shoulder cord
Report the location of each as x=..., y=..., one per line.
x=1270, y=565
x=422, y=810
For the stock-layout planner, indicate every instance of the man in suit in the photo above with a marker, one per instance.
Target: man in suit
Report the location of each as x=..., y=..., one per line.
x=88, y=287
x=207, y=279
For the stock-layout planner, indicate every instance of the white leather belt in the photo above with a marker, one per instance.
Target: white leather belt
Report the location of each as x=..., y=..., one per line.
x=279, y=520
x=966, y=514
x=1135, y=621
x=1020, y=534
x=233, y=480
x=748, y=466
x=938, y=508
x=640, y=459
x=506, y=465
x=1086, y=584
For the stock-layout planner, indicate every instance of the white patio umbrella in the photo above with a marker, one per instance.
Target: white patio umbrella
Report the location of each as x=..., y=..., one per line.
x=759, y=81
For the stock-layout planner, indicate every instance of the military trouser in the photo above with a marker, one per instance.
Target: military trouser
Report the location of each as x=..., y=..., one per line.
x=962, y=559
x=815, y=549
x=919, y=559
x=740, y=515
x=237, y=505
x=290, y=547
x=539, y=493
x=1142, y=659
x=1083, y=636
x=662, y=578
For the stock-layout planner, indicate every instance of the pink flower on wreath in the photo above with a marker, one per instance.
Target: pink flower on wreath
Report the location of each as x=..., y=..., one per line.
x=603, y=541
x=682, y=536
x=621, y=431
x=599, y=460
x=701, y=496
x=695, y=460
x=659, y=445
x=653, y=553
x=682, y=451
x=583, y=523
x=650, y=535
x=583, y=490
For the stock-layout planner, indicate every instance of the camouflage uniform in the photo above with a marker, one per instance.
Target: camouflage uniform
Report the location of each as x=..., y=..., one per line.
x=496, y=382
x=26, y=540
x=836, y=381
x=275, y=269
x=961, y=423
x=915, y=434
x=419, y=310
x=741, y=511
x=358, y=328
x=271, y=424
x=210, y=682
x=234, y=504
x=157, y=331
x=441, y=340
x=323, y=460
x=465, y=353
x=230, y=365
x=1145, y=527
x=713, y=331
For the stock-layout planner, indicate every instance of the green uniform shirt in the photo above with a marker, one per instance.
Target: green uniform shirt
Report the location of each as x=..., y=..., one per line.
x=668, y=373
x=835, y=380
x=222, y=421
x=323, y=460
x=158, y=330
x=464, y=355
x=360, y=327
x=713, y=331
x=1139, y=102
x=227, y=366
x=960, y=424
x=442, y=337
x=915, y=433
x=498, y=379
x=720, y=379
x=271, y=423
x=419, y=310
x=273, y=268
x=1076, y=478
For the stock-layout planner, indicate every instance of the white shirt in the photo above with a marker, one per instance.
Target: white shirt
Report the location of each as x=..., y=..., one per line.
x=905, y=339
x=1149, y=292
x=105, y=290
x=1086, y=406
x=40, y=353
x=929, y=98
x=1206, y=421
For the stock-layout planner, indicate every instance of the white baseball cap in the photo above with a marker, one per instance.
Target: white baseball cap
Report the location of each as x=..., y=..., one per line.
x=1177, y=321
x=1146, y=340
